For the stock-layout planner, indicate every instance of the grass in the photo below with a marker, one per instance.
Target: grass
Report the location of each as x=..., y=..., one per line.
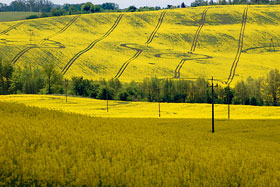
x=218, y=39
x=121, y=109
x=15, y=16
x=40, y=147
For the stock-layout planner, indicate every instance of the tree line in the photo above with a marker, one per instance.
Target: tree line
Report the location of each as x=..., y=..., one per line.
x=233, y=2
x=48, y=8
x=47, y=80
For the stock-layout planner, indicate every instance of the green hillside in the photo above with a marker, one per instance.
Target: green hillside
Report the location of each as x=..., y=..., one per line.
x=15, y=16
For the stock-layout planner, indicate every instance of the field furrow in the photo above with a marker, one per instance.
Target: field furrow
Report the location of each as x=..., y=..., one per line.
x=139, y=51
x=240, y=46
x=192, y=50
x=91, y=45
x=25, y=50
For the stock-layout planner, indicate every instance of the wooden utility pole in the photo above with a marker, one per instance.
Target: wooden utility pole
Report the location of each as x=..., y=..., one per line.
x=213, y=101
x=271, y=47
x=107, y=98
x=213, y=126
x=158, y=102
x=228, y=102
x=66, y=86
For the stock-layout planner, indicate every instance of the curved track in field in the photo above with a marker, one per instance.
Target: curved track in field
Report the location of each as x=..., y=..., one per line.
x=126, y=63
x=25, y=50
x=10, y=28
x=55, y=45
x=152, y=36
x=240, y=45
x=91, y=45
x=202, y=22
x=139, y=51
x=65, y=27
x=195, y=39
x=263, y=47
x=182, y=62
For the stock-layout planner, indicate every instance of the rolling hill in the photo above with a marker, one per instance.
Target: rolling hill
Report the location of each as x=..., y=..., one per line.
x=227, y=42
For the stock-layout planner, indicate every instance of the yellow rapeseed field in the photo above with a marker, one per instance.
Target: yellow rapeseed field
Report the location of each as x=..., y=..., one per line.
x=40, y=147
x=126, y=109
x=115, y=41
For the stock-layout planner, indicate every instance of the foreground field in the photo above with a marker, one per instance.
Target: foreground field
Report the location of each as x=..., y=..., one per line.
x=166, y=43
x=42, y=147
x=98, y=108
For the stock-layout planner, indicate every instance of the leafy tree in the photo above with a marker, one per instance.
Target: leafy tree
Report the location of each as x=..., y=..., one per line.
x=241, y=93
x=132, y=90
x=123, y=95
x=6, y=70
x=53, y=79
x=235, y=2
x=228, y=95
x=131, y=9
x=201, y=90
x=87, y=7
x=115, y=84
x=72, y=10
x=110, y=6
x=167, y=90
x=32, y=80
x=105, y=92
x=222, y=2
x=197, y=3
x=58, y=12
x=17, y=82
x=253, y=101
x=78, y=86
x=272, y=87
x=96, y=8
x=183, y=5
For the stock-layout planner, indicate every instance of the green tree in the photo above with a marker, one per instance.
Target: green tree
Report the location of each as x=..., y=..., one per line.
x=72, y=10
x=96, y=8
x=6, y=70
x=123, y=95
x=201, y=90
x=105, y=92
x=17, y=82
x=87, y=7
x=53, y=79
x=110, y=6
x=167, y=88
x=241, y=93
x=131, y=9
x=32, y=80
x=272, y=87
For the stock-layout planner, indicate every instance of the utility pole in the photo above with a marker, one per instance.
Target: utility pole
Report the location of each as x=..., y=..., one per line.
x=213, y=101
x=107, y=98
x=272, y=44
x=213, y=127
x=66, y=85
x=158, y=101
x=228, y=102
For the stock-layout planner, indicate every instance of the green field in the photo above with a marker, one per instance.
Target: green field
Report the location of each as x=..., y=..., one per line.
x=185, y=43
x=15, y=16
x=42, y=147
